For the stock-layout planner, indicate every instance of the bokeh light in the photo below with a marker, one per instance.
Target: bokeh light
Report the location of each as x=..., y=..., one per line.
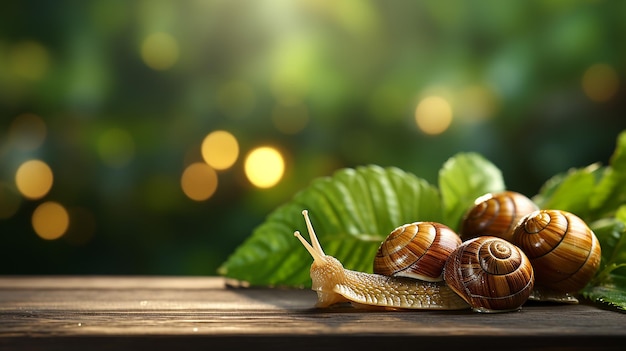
x=290, y=119
x=433, y=115
x=120, y=99
x=27, y=131
x=199, y=181
x=34, y=179
x=264, y=167
x=116, y=147
x=600, y=82
x=29, y=60
x=50, y=220
x=160, y=51
x=220, y=149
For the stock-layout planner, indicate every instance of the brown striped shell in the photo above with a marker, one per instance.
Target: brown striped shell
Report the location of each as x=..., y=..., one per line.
x=563, y=250
x=491, y=274
x=416, y=250
x=496, y=214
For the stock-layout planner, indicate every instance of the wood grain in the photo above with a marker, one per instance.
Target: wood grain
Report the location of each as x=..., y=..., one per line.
x=102, y=313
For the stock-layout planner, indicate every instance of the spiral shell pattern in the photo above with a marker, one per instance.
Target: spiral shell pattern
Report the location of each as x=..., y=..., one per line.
x=416, y=250
x=563, y=250
x=496, y=214
x=491, y=274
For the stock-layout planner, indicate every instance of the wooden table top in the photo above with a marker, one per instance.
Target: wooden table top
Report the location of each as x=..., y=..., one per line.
x=154, y=313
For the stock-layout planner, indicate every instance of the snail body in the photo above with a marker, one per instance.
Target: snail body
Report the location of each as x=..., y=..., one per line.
x=496, y=214
x=335, y=284
x=563, y=250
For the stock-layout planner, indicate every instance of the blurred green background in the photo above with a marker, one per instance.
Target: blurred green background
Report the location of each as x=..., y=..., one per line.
x=109, y=163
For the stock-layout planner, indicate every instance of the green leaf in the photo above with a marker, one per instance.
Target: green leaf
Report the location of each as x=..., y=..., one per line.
x=610, y=192
x=352, y=212
x=609, y=211
x=462, y=179
x=570, y=191
x=615, y=244
x=609, y=232
x=611, y=292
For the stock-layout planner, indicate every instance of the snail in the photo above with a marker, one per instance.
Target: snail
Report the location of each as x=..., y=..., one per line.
x=563, y=250
x=335, y=284
x=496, y=214
x=417, y=250
x=490, y=273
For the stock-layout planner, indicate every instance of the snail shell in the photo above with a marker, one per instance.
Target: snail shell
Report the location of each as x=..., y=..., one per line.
x=563, y=250
x=496, y=214
x=491, y=274
x=416, y=250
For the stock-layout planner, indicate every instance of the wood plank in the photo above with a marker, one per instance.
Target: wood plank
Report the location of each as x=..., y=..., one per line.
x=40, y=313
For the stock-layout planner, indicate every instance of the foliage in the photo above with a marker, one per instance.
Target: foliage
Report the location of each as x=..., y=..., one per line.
x=355, y=209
